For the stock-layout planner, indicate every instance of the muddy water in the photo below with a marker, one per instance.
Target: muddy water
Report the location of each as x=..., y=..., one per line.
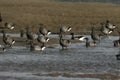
x=19, y=63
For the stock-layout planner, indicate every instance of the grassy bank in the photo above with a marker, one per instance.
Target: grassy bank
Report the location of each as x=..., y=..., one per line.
x=80, y=16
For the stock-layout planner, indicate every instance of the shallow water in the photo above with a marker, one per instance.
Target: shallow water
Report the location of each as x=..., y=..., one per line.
x=19, y=63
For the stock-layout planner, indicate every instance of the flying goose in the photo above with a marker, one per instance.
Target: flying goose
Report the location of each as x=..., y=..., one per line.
x=109, y=25
x=9, y=25
x=43, y=30
x=64, y=29
x=42, y=39
x=105, y=30
x=95, y=36
x=80, y=38
x=29, y=34
x=7, y=39
x=10, y=40
x=90, y=44
x=64, y=43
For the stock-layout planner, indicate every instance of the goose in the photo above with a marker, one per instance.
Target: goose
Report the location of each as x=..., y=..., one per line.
x=105, y=30
x=117, y=42
x=7, y=39
x=0, y=18
x=95, y=37
x=29, y=34
x=90, y=44
x=43, y=30
x=64, y=43
x=2, y=49
x=109, y=25
x=42, y=39
x=9, y=25
x=64, y=29
x=80, y=38
x=36, y=47
x=118, y=56
x=10, y=40
x=22, y=32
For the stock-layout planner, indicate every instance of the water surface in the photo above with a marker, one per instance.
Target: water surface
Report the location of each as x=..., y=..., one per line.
x=19, y=63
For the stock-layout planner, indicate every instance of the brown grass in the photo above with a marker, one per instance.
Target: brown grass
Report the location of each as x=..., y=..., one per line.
x=80, y=16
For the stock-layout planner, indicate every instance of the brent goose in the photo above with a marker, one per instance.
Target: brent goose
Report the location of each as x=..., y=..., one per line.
x=80, y=38
x=9, y=25
x=43, y=30
x=117, y=42
x=95, y=36
x=36, y=47
x=7, y=39
x=90, y=44
x=64, y=43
